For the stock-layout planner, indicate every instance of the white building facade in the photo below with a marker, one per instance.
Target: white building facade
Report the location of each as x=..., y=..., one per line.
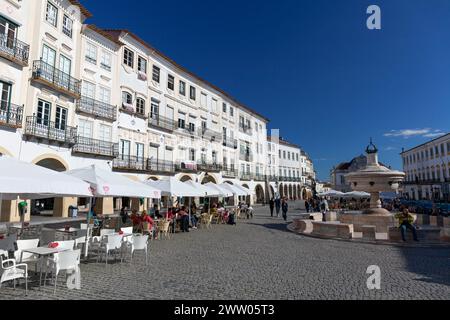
x=74, y=95
x=427, y=169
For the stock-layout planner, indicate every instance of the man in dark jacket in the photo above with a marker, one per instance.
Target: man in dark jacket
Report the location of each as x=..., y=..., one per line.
x=284, y=208
x=271, y=205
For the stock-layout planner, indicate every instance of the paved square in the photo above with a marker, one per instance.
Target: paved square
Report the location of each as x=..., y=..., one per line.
x=259, y=259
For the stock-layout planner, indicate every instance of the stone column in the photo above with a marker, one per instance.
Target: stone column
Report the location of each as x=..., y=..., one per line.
x=104, y=206
x=375, y=202
x=10, y=211
x=61, y=206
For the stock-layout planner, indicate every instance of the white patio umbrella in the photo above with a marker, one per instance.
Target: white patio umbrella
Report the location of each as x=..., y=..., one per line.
x=25, y=180
x=175, y=188
x=331, y=193
x=232, y=188
x=223, y=192
x=109, y=184
x=246, y=190
x=356, y=194
x=206, y=190
x=30, y=181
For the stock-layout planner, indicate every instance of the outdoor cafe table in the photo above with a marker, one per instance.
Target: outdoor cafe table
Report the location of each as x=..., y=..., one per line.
x=68, y=232
x=43, y=252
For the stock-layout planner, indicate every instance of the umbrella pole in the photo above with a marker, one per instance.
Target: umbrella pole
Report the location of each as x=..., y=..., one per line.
x=1, y=204
x=87, y=230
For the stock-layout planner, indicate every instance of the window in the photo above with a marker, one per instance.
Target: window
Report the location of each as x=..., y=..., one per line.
x=142, y=65
x=48, y=55
x=156, y=74
x=256, y=126
x=52, y=14
x=191, y=154
x=105, y=133
x=154, y=109
x=140, y=106
x=203, y=100
x=43, y=113
x=181, y=120
x=5, y=95
x=127, y=98
x=91, y=53
x=171, y=82
x=214, y=106
x=192, y=93
x=140, y=152
x=182, y=88
x=88, y=89
x=224, y=108
x=191, y=126
x=106, y=61
x=125, y=149
x=67, y=26
x=284, y=154
x=104, y=95
x=8, y=29
x=128, y=57
x=85, y=128
x=65, y=65
x=231, y=111
x=61, y=118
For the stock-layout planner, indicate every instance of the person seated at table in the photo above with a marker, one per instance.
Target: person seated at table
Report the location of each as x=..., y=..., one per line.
x=145, y=218
x=184, y=217
x=171, y=217
x=135, y=219
x=214, y=209
x=124, y=214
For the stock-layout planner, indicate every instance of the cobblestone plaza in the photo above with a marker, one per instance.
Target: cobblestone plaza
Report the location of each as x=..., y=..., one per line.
x=260, y=260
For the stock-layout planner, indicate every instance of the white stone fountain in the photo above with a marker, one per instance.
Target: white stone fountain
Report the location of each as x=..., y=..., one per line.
x=373, y=179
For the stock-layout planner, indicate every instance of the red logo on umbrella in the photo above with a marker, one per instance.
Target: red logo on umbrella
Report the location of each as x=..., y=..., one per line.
x=106, y=189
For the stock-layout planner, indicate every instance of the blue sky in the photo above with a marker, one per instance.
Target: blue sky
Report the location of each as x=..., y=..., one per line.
x=312, y=66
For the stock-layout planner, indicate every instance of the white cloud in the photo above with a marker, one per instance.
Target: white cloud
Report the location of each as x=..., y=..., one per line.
x=408, y=133
x=390, y=148
x=434, y=135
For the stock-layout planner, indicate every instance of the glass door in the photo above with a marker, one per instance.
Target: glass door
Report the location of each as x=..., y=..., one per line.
x=48, y=58
x=64, y=66
x=61, y=123
x=5, y=102
x=8, y=34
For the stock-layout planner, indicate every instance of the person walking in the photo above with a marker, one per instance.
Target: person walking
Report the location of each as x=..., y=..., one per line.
x=272, y=206
x=277, y=206
x=307, y=206
x=284, y=208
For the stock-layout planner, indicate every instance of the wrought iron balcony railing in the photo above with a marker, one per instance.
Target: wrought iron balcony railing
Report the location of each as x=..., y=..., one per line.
x=229, y=172
x=248, y=157
x=11, y=115
x=160, y=166
x=14, y=50
x=97, y=108
x=246, y=129
x=259, y=177
x=130, y=163
x=160, y=122
x=272, y=178
x=186, y=166
x=209, y=167
x=50, y=131
x=91, y=146
x=230, y=143
x=246, y=176
x=210, y=135
x=58, y=80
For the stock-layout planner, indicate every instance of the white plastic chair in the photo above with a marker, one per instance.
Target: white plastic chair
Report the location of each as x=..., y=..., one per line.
x=139, y=242
x=112, y=242
x=127, y=230
x=104, y=232
x=11, y=271
x=64, y=261
x=68, y=244
x=24, y=257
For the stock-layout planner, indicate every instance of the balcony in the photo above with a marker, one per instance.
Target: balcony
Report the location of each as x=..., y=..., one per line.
x=230, y=143
x=272, y=178
x=229, y=173
x=163, y=123
x=246, y=176
x=245, y=129
x=259, y=177
x=50, y=131
x=95, y=147
x=210, y=135
x=162, y=167
x=125, y=163
x=186, y=166
x=248, y=157
x=209, y=167
x=97, y=109
x=58, y=80
x=11, y=115
x=14, y=50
